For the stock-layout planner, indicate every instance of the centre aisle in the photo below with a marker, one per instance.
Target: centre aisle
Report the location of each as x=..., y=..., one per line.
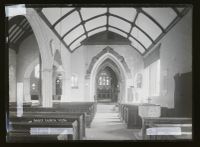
x=108, y=126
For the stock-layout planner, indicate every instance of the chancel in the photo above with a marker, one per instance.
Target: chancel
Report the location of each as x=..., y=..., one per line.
x=99, y=73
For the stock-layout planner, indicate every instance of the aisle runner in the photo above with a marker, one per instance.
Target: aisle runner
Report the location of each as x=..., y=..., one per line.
x=107, y=125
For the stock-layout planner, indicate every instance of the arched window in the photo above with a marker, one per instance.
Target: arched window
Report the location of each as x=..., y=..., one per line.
x=74, y=81
x=104, y=79
x=37, y=71
x=35, y=83
x=59, y=85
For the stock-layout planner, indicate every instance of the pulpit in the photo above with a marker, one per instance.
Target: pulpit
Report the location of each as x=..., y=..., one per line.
x=149, y=110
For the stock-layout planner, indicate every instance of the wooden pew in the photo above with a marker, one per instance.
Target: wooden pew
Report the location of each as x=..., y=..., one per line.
x=21, y=131
x=182, y=124
x=57, y=116
x=129, y=114
x=88, y=107
x=88, y=118
x=75, y=107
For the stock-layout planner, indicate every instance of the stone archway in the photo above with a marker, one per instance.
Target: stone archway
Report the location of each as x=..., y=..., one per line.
x=111, y=90
x=41, y=33
x=96, y=62
x=26, y=81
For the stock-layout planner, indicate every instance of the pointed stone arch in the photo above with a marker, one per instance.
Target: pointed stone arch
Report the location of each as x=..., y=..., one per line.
x=98, y=60
x=113, y=53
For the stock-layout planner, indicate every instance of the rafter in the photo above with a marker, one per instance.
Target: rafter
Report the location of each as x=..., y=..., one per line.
x=170, y=26
x=107, y=19
x=133, y=23
x=83, y=23
x=60, y=19
x=16, y=30
x=76, y=39
x=85, y=34
x=107, y=14
x=70, y=30
x=145, y=33
x=54, y=31
x=151, y=18
x=97, y=28
x=130, y=36
x=80, y=24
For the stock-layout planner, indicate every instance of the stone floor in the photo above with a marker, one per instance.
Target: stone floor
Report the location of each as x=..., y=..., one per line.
x=108, y=126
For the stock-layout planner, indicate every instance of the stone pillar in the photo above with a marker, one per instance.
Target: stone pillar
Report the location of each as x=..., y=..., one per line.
x=12, y=76
x=27, y=96
x=47, y=88
x=12, y=84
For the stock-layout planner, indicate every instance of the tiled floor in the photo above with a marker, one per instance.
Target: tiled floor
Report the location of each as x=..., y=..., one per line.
x=108, y=126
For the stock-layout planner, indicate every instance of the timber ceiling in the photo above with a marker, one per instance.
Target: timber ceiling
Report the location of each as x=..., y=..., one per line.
x=18, y=29
x=142, y=26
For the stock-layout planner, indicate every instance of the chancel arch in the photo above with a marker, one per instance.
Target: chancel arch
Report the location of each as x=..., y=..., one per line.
x=117, y=61
x=109, y=83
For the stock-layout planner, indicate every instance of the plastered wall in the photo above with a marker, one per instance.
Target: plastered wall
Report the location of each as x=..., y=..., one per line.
x=175, y=57
x=81, y=58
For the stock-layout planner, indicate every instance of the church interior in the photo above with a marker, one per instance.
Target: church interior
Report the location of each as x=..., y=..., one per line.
x=99, y=73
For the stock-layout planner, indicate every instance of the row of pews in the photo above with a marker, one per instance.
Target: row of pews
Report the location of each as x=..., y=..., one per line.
x=129, y=114
x=65, y=121
x=166, y=127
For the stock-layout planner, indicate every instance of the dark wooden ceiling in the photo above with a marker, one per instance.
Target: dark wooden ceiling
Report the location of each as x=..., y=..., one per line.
x=18, y=29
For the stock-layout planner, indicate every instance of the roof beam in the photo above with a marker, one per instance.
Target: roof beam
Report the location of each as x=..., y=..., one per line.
x=17, y=29
x=107, y=17
x=97, y=28
x=85, y=34
x=76, y=39
x=151, y=18
x=61, y=18
x=130, y=36
x=145, y=33
x=133, y=23
x=133, y=26
x=170, y=26
x=70, y=31
x=15, y=33
x=53, y=30
x=82, y=22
